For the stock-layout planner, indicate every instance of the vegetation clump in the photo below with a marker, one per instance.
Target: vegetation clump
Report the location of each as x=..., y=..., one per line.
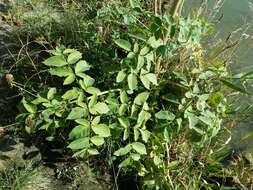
x=141, y=97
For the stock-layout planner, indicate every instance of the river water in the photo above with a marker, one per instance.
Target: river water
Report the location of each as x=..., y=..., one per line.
x=236, y=15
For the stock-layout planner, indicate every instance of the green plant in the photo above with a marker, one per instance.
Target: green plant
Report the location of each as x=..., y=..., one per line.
x=160, y=114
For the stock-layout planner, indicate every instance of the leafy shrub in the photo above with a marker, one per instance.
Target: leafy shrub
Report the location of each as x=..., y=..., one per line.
x=162, y=108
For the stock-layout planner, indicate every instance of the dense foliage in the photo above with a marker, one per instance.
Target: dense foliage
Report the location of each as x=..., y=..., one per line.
x=142, y=95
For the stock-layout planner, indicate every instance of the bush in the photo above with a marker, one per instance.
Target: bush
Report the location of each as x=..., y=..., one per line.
x=153, y=110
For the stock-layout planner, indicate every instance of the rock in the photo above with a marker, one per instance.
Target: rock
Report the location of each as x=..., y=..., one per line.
x=11, y=150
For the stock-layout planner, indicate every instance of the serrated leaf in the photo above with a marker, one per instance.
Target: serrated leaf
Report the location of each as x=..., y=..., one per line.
x=141, y=98
x=70, y=79
x=82, y=66
x=101, y=130
x=139, y=147
x=123, y=44
x=124, y=122
x=74, y=57
x=123, y=151
x=121, y=76
x=101, y=108
x=76, y=113
x=132, y=81
x=61, y=71
x=97, y=140
x=50, y=94
x=57, y=61
x=166, y=115
x=79, y=144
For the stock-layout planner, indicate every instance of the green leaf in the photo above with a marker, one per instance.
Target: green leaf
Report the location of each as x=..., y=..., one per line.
x=123, y=44
x=145, y=135
x=136, y=47
x=143, y=117
x=86, y=82
x=74, y=57
x=125, y=163
x=122, y=109
x=166, y=115
x=61, y=71
x=124, y=122
x=144, y=51
x=136, y=134
x=140, y=62
x=96, y=120
x=70, y=79
x=39, y=100
x=145, y=81
x=139, y=147
x=97, y=140
x=76, y=113
x=83, y=122
x=54, y=52
x=92, y=101
x=68, y=51
x=51, y=93
x=93, y=151
x=101, y=130
x=79, y=144
x=132, y=81
x=126, y=134
x=82, y=66
x=101, y=108
x=141, y=98
x=123, y=151
x=123, y=97
x=57, y=61
x=121, y=76
x=71, y=94
x=79, y=131
x=152, y=78
x=92, y=90
x=29, y=107
x=136, y=157
x=134, y=4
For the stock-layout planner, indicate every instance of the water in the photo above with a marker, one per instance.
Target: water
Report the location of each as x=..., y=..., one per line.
x=236, y=14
